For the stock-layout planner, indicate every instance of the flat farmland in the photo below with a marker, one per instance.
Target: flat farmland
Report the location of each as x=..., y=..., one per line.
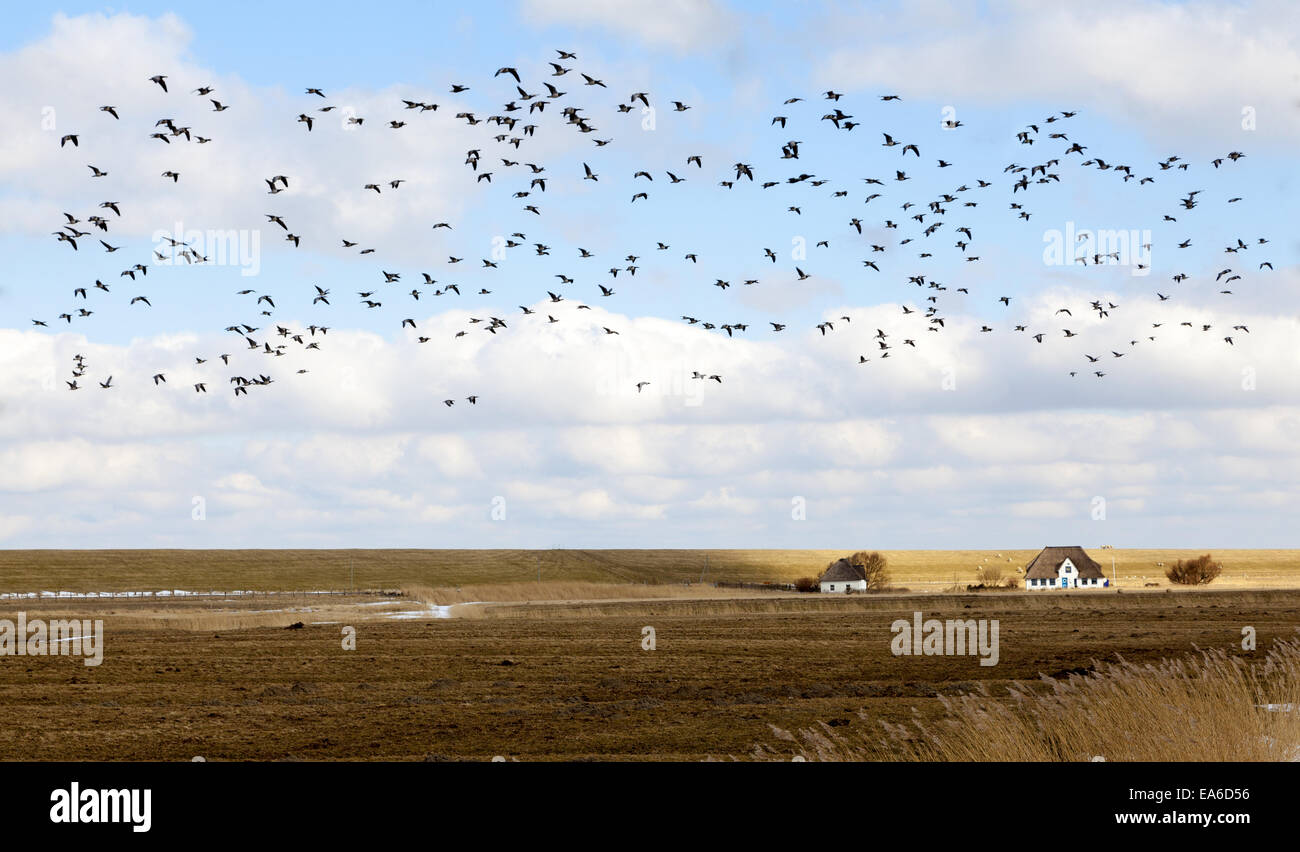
x=225, y=570
x=565, y=682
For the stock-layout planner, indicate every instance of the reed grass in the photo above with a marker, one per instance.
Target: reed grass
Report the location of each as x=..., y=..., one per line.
x=1210, y=706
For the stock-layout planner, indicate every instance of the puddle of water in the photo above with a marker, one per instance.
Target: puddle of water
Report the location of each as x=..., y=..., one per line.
x=433, y=611
x=160, y=593
x=429, y=611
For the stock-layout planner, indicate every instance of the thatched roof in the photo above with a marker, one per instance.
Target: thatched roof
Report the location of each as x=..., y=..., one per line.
x=1046, y=564
x=843, y=571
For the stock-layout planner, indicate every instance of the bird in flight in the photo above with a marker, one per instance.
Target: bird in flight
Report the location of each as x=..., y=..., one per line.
x=910, y=250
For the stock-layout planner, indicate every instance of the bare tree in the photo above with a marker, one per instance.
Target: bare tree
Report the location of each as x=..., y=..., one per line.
x=874, y=566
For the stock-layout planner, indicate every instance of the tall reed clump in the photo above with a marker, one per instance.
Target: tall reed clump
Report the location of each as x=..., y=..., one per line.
x=1211, y=706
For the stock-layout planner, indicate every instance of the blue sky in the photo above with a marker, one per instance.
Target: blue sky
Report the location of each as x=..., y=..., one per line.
x=967, y=439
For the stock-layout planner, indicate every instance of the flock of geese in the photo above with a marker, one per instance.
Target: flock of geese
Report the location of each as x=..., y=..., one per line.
x=508, y=134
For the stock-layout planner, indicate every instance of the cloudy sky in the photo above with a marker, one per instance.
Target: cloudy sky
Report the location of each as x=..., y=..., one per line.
x=967, y=439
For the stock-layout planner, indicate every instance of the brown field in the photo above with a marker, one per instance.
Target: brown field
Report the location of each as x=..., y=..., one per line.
x=225, y=570
x=561, y=681
x=554, y=670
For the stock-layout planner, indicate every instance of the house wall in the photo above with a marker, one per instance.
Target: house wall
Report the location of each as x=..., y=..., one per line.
x=1075, y=583
x=842, y=587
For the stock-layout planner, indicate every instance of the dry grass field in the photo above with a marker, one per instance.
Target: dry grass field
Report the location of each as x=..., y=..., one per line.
x=225, y=570
x=565, y=681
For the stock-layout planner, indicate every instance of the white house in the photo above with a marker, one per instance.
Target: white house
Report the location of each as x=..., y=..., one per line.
x=1064, y=568
x=842, y=577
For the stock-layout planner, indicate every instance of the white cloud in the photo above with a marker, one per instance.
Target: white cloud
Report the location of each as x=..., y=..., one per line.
x=1183, y=70
x=683, y=25
x=112, y=462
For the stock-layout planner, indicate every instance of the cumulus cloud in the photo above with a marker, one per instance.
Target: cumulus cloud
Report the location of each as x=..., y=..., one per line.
x=383, y=455
x=1177, y=71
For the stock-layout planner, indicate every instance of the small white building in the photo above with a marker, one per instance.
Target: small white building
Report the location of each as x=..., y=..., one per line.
x=1064, y=568
x=843, y=577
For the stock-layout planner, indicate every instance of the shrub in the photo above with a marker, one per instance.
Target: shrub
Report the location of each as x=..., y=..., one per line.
x=992, y=577
x=806, y=584
x=1194, y=572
